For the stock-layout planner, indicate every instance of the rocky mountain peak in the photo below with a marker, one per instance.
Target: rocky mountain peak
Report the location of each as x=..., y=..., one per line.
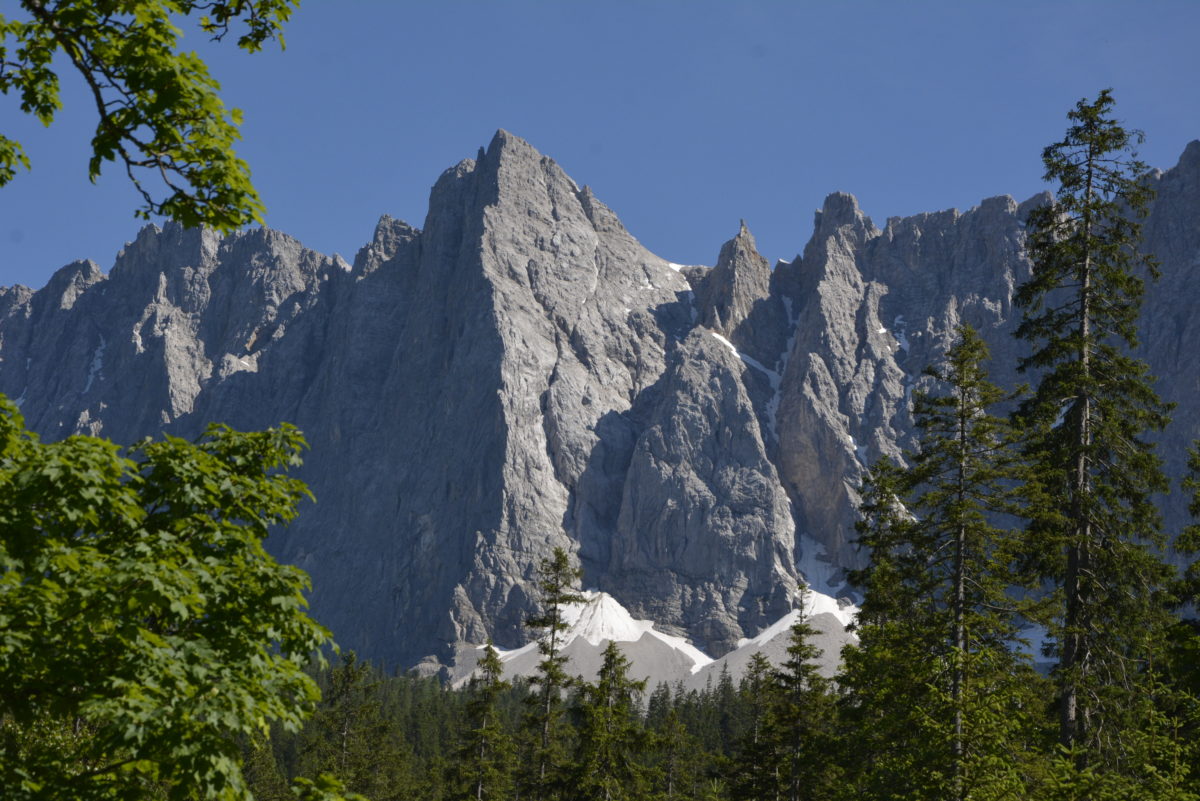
x=522, y=374
x=166, y=250
x=1189, y=161
x=840, y=214
x=389, y=236
x=1034, y=202
x=727, y=293
x=69, y=282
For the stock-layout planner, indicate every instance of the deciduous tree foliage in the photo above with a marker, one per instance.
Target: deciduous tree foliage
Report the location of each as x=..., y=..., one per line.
x=159, y=115
x=143, y=627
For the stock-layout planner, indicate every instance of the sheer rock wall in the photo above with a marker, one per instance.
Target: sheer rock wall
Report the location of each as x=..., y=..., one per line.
x=522, y=374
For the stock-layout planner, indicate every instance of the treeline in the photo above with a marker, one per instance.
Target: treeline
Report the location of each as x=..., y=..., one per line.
x=1022, y=634
x=411, y=737
x=775, y=734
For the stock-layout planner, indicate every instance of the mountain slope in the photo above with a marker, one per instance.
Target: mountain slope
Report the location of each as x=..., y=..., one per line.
x=521, y=374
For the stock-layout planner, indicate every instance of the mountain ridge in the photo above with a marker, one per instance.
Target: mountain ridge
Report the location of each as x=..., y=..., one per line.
x=521, y=374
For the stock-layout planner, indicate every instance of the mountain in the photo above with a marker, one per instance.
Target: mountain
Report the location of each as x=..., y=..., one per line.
x=521, y=373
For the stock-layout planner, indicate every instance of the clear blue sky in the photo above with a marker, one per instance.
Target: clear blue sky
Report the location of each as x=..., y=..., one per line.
x=683, y=115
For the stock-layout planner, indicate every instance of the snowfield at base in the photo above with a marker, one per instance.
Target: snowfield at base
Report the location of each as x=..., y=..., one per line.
x=599, y=618
x=818, y=604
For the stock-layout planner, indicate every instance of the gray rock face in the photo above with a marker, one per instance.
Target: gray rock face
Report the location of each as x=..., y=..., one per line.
x=874, y=308
x=704, y=536
x=521, y=374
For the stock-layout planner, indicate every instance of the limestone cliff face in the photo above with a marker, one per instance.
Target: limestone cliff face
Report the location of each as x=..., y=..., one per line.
x=522, y=374
x=873, y=308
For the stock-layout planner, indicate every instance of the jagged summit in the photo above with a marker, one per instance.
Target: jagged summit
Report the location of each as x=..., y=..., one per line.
x=727, y=293
x=521, y=374
x=841, y=209
x=1189, y=160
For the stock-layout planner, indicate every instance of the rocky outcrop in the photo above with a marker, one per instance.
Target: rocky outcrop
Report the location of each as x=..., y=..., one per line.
x=704, y=536
x=521, y=374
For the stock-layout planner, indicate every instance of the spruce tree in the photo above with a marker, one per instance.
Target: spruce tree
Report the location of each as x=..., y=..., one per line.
x=678, y=758
x=802, y=724
x=1183, y=663
x=1092, y=518
x=755, y=770
x=350, y=738
x=485, y=760
x=963, y=475
x=558, y=581
x=264, y=779
x=886, y=679
x=1187, y=544
x=608, y=764
x=937, y=673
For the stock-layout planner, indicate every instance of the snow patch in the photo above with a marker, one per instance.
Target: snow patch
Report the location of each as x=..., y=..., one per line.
x=775, y=378
x=860, y=451
x=750, y=360
x=601, y=618
x=900, y=331
x=726, y=343
x=676, y=267
x=97, y=364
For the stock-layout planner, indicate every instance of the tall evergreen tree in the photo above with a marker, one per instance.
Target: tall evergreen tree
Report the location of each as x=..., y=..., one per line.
x=943, y=571
x=263, y=776
x=485, y=761
x=608, y=765
x=803, y=721
x=963, y=473
x=886, y=679
x=558, y=581
x=1090, y=498
x=1188, y=542
x=677, y=758
x=1183, y=662
x=350, y=738
x=755, y=770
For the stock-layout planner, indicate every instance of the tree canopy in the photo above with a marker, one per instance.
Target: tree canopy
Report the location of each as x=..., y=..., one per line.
x=159, y=114
x=144, y=629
